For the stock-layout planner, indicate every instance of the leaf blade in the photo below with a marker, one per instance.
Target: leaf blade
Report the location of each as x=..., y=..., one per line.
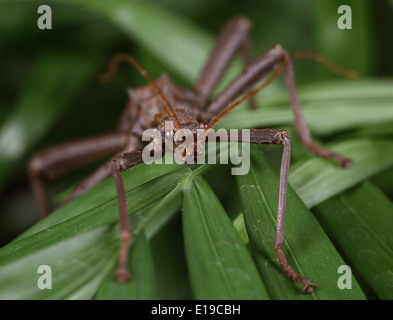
x=306, y=246
x=74, y=262
x=359, y=221
x=142, y=286
x=219, y=264
x=316, y=179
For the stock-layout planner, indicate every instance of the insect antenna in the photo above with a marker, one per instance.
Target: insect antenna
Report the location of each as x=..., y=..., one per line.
x=341, y=71
x=336, y=68
x=111, y=73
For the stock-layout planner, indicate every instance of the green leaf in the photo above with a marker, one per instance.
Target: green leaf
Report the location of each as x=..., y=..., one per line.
x=142, y=286
x=307, y=247
x=220, y=266
x=328, y=107
x=143, y=195
x=360, y=223
x=59, y=232
x=373, y=131
x=317, y=179
x=78, y=265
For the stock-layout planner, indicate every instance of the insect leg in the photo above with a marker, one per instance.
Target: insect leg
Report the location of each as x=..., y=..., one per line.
x=276, y=58
x=120, y=163
x=268, y=136
x=234, y=38
x=301, y=126
x=55, y=161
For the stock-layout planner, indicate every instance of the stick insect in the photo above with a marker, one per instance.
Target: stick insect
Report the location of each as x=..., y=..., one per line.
x=161, y=100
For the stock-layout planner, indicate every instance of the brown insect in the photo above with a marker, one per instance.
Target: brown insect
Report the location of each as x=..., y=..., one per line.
x=149, y=106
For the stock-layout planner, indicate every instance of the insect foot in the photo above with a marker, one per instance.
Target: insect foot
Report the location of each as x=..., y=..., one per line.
x=345, y=162
x=308, y=286
x=122, y=275
x=325, y=153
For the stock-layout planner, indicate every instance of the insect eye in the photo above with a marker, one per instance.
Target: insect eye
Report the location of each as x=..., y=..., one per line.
x=203, y=125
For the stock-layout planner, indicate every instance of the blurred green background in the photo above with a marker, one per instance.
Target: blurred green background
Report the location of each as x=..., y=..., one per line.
x=49, y=92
